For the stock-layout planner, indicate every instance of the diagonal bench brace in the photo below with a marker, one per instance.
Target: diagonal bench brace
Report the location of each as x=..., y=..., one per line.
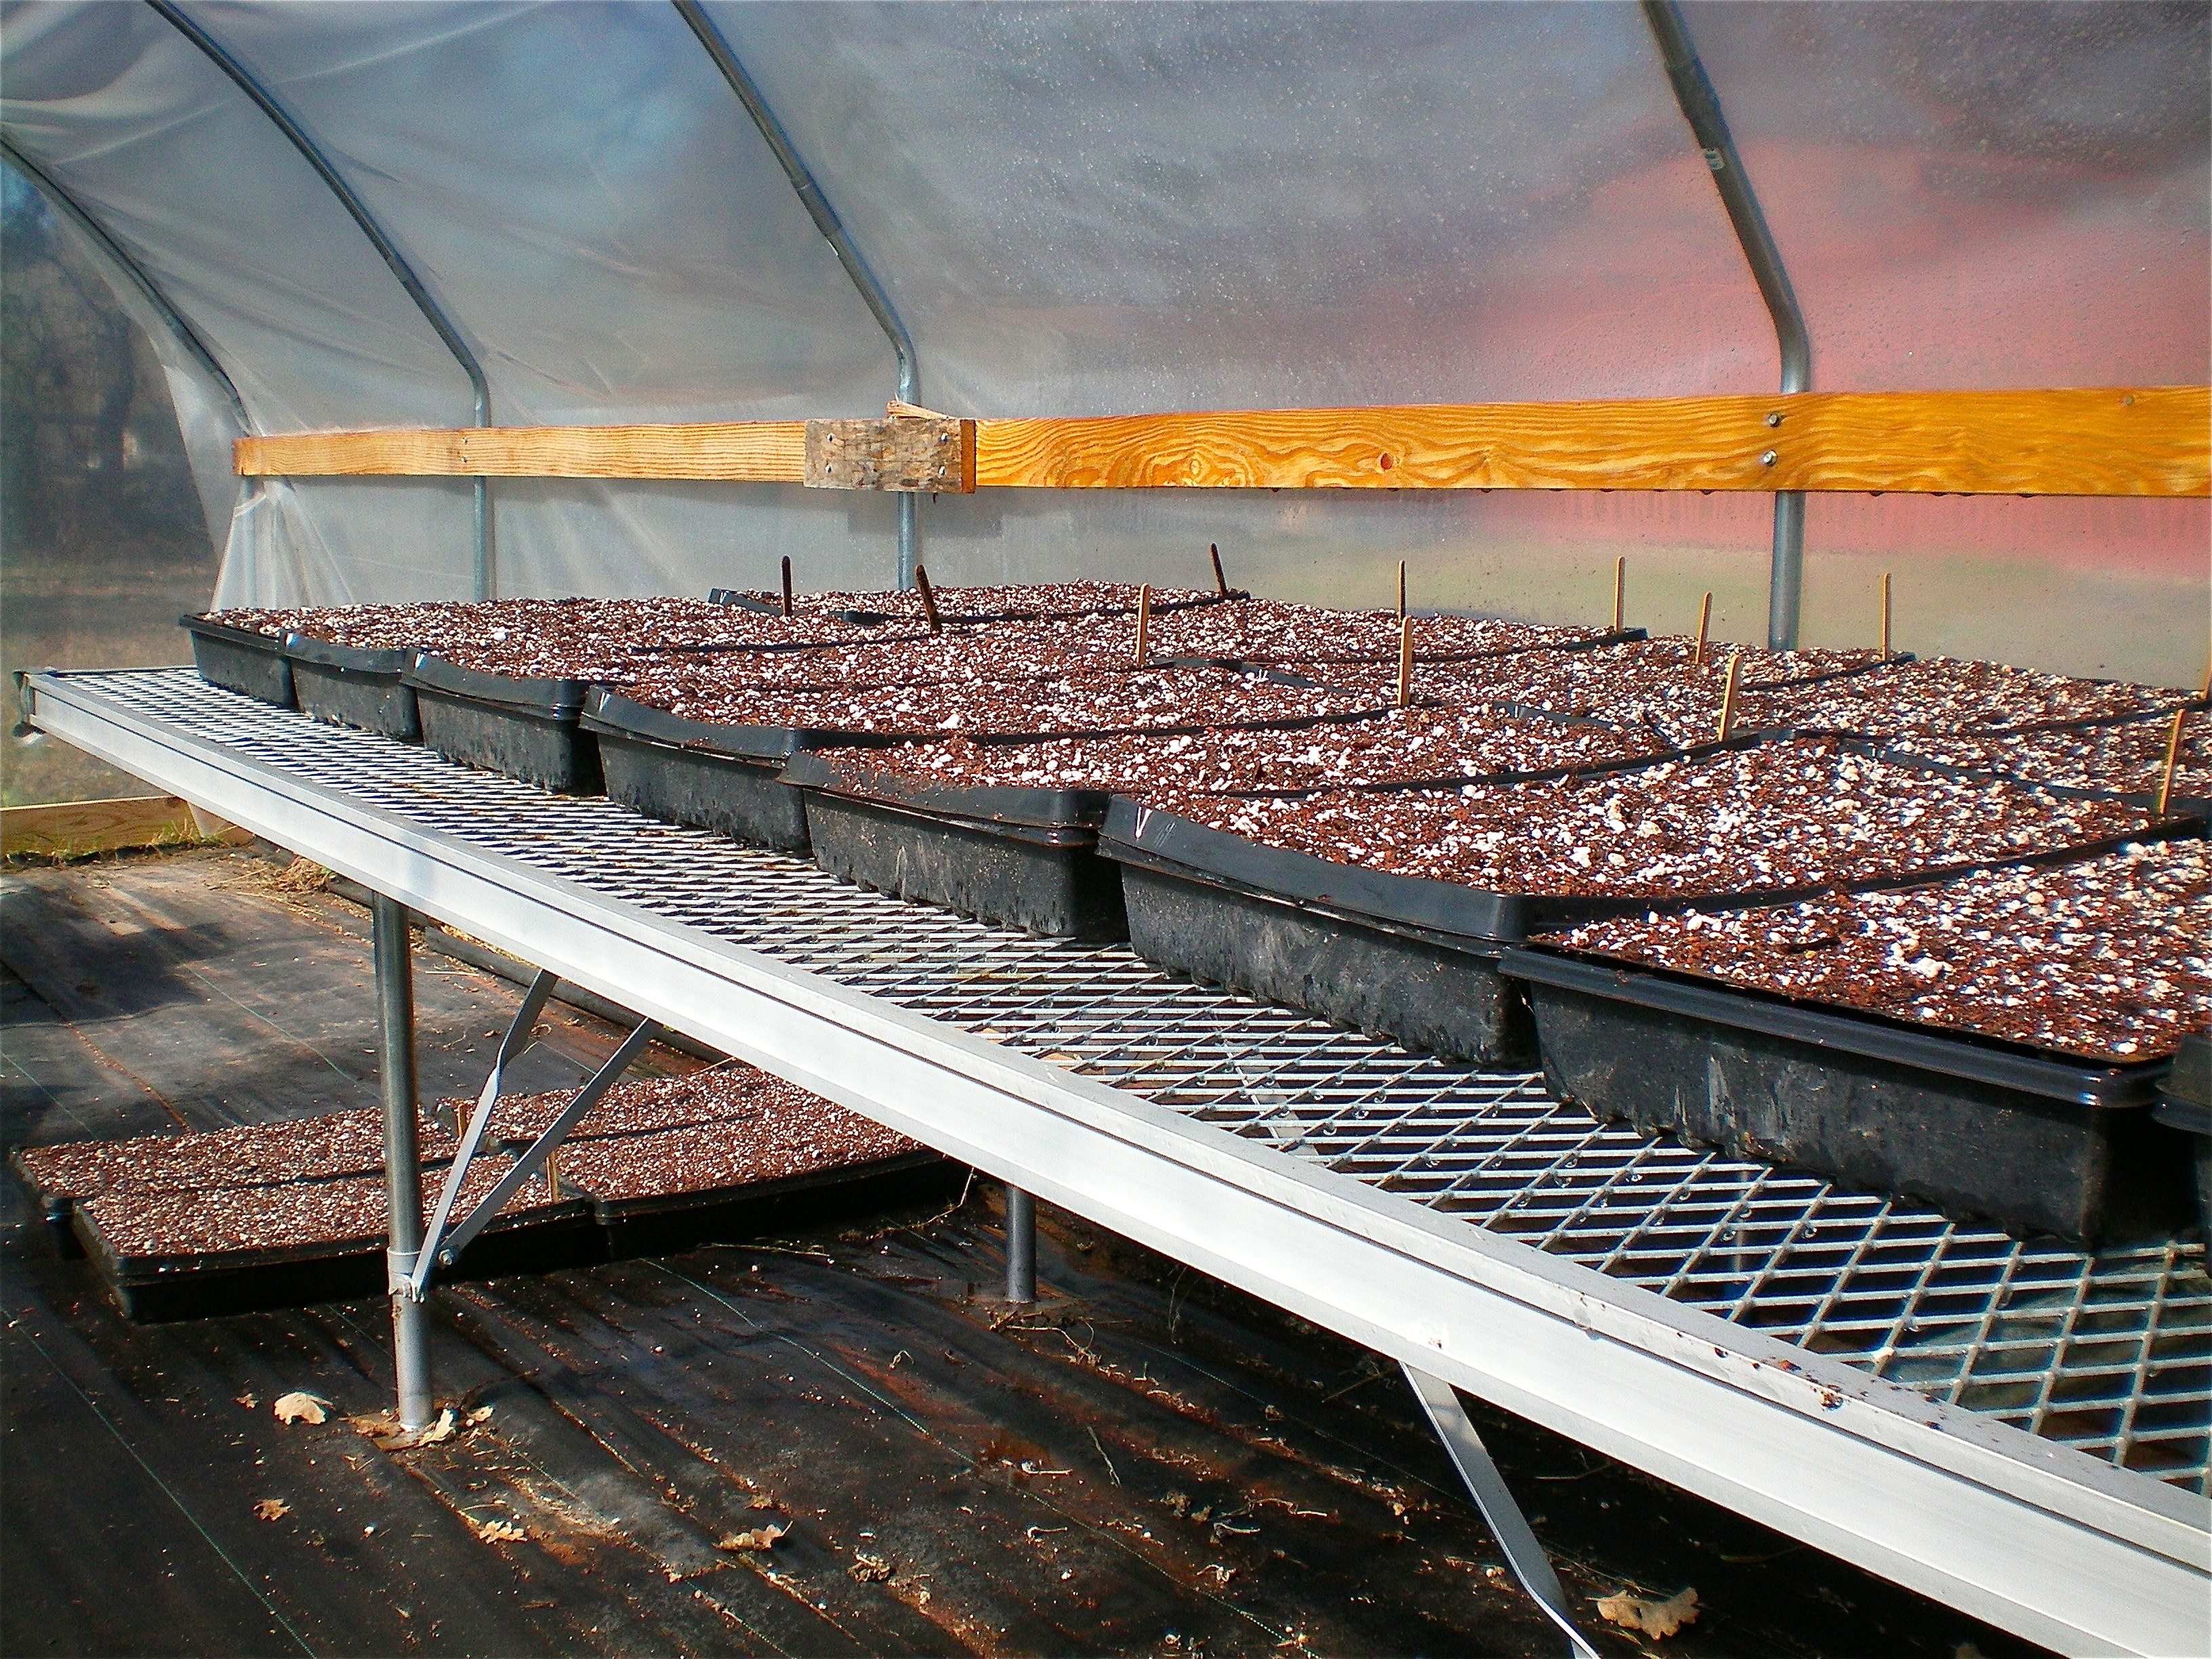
x=1495, y=1500
x=441, y=1247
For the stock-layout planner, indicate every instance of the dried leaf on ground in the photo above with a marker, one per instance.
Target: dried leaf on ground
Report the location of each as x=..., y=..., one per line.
x=272, y=1509
x=500, y=1532
x=385, y=1429
x=869, y=1569
x=302, y=1407
x=1655, y=1619
x=761, y=1537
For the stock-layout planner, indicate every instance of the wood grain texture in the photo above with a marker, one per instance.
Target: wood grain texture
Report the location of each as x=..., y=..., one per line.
x=909, y=452
x=2110, y=441
x=757, y=452
x=76, y=829
x=2118, y=441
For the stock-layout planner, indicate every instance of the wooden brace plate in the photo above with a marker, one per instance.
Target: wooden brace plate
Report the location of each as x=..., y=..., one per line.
x=902, y=453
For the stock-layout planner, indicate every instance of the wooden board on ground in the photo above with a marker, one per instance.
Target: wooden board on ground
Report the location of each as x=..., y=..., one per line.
x=78, y=828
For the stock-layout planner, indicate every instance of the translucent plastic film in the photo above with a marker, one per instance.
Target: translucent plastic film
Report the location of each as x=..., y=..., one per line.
x=1106, y=207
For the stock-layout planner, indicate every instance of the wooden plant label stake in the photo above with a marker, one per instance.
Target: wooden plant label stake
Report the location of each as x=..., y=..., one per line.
x=1728, y=699
x=2172, y=760
x=1619, y=589
x=1705, y=623
x=1401, y=590
x=786, y=588
x=928, y=599
x=1405, y=662
x=1220, y=581
x=1885, y=616
x=1144, y=622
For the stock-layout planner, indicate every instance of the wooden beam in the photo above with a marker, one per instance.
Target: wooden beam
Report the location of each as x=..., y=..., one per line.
x=750, y=452
x=2152, y=441
x=2111, y=441
x=79, y=827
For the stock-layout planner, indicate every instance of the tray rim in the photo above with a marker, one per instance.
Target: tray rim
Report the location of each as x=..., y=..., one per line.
x=1947, y=1051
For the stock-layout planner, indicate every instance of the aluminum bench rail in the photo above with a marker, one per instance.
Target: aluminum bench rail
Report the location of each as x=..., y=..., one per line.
x=1730, y=1328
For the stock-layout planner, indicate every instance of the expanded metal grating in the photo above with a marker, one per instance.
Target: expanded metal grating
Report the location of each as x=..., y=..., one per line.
x=2110, y=1352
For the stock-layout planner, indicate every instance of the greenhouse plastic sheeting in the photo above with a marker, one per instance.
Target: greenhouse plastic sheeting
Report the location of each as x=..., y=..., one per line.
x=1106, y=208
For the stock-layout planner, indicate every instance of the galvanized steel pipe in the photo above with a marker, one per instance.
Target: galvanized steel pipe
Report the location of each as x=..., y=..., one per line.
x=403, y=1168
x=290, y=125
x=834, y=232
x=1701, y=107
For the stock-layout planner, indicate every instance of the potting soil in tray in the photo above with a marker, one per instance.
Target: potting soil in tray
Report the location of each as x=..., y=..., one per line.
x=552, y=638
x=1621, y=682
x=1945, y=695
x=1396, y=747
x=719, y=1154
x=1386, y=911
x=1021, y=602
x=1172, y=699
x=301, y=1149
x=169, y=1253
x=2125, y=757
x=1270, y=632
x=237, y=653
x=1773, y=818
x=2107, y=961
x=2042, y=1000
x=955, y=656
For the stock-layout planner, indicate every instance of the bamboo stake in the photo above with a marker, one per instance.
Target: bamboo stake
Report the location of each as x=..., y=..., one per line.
x=1728, y=699
x=928, y=599
x=1619, y=588
x=2172, y=760
x=1885, y=616
x=1404, y=661
x=1144, y=622
x=1401, y=590
x=786, y=588
x=1705, y=626
x=1220, y=581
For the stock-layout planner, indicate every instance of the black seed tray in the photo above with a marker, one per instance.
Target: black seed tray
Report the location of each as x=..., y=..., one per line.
x=2184, y=1105
x=1022, y=858
x=55, y=1209
x=346, y=685
x=682, y=772
x=1335, y=939
x=526, y=729
x=2036, y=1142
x=239, y=659
x=153, y=1290
x=681, y=1221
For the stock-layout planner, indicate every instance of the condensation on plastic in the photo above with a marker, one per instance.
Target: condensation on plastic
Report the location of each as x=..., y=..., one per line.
x=1105, y=207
